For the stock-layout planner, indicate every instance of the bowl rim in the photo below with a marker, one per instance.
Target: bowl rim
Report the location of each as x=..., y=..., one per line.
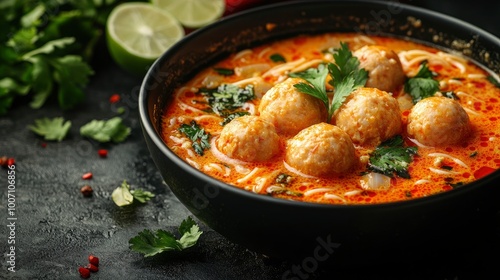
x=149, y=130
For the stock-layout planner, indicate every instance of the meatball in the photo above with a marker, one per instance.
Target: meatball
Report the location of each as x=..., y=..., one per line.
x=320, y=150
x=289, y=109
x=437, y=121
x=385, y=71
x=249, y=138
x=369, y=116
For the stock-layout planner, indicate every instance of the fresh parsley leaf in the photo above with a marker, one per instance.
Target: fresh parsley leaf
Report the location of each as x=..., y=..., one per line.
x=151, y=243
x=346, y=77
x=199, y=138
x=141, y=195
x=232, y=116
x=228, y=97
x=51, y=129
x=123, y=196
x=277, y=58
x=391, y=157
x=224, y=71
x=106, y=131
x=423, y=84
x=315, y=85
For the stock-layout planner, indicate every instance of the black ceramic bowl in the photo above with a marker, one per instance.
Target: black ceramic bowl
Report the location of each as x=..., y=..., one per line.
x=282, y=228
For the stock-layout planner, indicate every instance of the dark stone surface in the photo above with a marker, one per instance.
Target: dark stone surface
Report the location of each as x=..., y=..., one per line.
x=57, y=228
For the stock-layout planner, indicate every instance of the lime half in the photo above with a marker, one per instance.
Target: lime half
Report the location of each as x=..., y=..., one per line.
x=193, y=13
x=138, y=33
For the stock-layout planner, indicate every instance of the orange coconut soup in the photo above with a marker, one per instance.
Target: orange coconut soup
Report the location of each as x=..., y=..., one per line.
x=245, y=122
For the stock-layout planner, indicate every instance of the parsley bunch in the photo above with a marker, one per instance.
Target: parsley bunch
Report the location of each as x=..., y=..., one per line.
x=45, y=47
x=346, y=77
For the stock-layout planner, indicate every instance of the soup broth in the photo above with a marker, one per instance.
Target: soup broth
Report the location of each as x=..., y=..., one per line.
x=193, y=122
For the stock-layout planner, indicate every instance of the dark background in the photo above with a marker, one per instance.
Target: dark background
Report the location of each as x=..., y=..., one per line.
x=57, y=228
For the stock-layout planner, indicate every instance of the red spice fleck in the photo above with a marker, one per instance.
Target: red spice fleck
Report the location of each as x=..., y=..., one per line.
x=84, y=272
x=3, y=161
x=92, y=267
x=11, y=161
x=43, y=144
x=94, y=260
x=102, y=153
x=114, y=98
x=86, y=191
x=87, y=176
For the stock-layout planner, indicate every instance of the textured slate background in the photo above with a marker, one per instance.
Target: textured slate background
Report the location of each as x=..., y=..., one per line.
x=57, y=228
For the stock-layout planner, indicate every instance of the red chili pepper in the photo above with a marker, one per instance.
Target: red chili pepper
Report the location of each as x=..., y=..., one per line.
x=87, y=176
x=102, y=153
x=92, y=267
x=114, y=98
x=94, y=260
x=84, y=272
x=11, y=161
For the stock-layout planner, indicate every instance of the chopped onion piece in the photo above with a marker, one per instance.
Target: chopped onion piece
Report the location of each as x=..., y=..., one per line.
x=318, y=190
x=375, y=182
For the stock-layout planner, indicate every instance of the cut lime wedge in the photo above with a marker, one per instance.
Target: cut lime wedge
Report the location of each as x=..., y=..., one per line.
x=138, y=33
x=193, y=13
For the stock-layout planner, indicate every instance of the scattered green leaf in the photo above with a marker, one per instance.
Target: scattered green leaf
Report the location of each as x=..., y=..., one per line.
x=106, y=130
x=392, y=157
x=151, y=243
x=228, y=97
x=224, y=71
x=423, y=84
x=123, y=196
x=277, y=58
x=199, y=138
x=51, y=129
x=232, y=116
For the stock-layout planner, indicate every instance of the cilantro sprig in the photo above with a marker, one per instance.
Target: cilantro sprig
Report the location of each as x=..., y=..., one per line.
x=106, y=130
x=423, y=84
x=51, y=129
x=392, y=157
x=199, y=137
x=346, y=77
x=151, y=243
x=123, y=195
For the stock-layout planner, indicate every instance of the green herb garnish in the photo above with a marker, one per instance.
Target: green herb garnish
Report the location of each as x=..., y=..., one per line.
x=45, y=49
x=423, y=84
x=151, y=243
x=228, y=97
x=123, y=196
x=106, y=130
x=51, y=129
x=232, y=116
x=277, y=58
x=346, y=77
x=224, y=71
x=391, y=157
x=199, y=138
